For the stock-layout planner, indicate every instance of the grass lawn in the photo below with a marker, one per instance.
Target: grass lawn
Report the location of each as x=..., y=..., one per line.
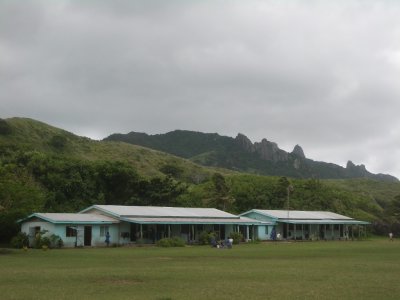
x=315, y=270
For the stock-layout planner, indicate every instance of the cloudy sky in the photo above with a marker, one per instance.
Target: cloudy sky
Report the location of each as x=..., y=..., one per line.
x=321, y=74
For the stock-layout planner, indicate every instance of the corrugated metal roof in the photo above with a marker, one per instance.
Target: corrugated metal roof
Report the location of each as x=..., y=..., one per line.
x=73, y=218
x=234, y=221
x=302, y=215
x=156, y=211
x=324, y=221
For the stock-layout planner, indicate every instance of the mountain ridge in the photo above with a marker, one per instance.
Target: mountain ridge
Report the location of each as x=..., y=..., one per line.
x=240, y=154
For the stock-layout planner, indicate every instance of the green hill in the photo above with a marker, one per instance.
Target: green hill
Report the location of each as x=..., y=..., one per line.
x=47, y=169
x=31, y=135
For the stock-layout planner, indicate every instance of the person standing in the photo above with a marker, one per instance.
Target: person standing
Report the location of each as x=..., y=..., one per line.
x=107, y=239
x=390, y=236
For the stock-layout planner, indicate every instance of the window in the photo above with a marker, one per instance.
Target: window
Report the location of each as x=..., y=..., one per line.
x=266, y=229
x=70, y=231
x=103, y=230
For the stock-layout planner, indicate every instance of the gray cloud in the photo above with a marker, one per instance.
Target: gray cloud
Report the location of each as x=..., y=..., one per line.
x=322, y=74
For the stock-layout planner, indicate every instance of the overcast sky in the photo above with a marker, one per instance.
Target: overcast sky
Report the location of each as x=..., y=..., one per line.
x=321, y=74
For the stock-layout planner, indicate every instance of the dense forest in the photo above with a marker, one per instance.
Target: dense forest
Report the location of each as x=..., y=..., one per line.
x=45, y=169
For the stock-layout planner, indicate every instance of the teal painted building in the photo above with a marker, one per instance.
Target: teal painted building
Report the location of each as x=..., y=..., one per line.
x=73, y=229
x=305, y=225
x=133, y=224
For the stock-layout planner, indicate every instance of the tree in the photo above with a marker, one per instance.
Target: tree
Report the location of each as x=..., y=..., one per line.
x=58, y=141
x=117, y=181
x=221, y=197
x=160, y=191
x=282, y=191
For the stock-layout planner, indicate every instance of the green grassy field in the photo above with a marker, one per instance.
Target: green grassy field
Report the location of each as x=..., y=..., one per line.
x=316, y=270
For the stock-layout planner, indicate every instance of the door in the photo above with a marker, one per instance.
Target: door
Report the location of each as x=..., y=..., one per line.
x=88, y=236
x=134, y=232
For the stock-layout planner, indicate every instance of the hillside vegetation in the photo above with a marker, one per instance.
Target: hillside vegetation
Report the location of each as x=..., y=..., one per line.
x=46, y=169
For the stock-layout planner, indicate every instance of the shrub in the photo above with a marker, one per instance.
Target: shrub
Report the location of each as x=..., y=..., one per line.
x=56, y=241
x=45, y=241
x=205, y=237
x=40, y=240
x=171, y=242
x=20, y=240
x=58, y=141
x=237, y=237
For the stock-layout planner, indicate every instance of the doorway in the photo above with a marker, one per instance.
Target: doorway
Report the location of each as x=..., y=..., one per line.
x=88, y=236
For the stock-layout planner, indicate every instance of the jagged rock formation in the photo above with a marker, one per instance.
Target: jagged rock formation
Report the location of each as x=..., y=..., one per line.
x=244, y=142
x=241, y=154
x=270, y=151
x=298, y=151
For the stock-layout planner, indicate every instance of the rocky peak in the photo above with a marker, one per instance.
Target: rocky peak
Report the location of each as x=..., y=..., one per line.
x=270, y=151
x=350, y=165
x=298, y=151
x=244, y=142
x=356, y=170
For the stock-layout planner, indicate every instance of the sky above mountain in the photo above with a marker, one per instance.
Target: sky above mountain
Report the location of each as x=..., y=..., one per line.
x=322, y=74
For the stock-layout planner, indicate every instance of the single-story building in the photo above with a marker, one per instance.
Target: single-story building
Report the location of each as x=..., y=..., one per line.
x=305, y=225
x=73, y=229
x=133, y=224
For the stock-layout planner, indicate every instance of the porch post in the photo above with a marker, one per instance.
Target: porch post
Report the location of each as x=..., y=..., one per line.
x=247, y=232
x=332, y=237
x=302, y=231
x=169, y=230
x=141, y=231
x=295, y=232
x=287, y=231
x=324, y=231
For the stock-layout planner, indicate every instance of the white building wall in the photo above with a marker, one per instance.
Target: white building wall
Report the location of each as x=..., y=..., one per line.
x=264, y=232
x=61, y=231
x=29, y=229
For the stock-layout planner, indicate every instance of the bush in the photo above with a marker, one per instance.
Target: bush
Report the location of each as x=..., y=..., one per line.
x=41, y=241
x=205, y=237
x=45, y=241
x=237, y=237
x=58, y=141
x=56, y=241
x=20, y=240
x=171, y=242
